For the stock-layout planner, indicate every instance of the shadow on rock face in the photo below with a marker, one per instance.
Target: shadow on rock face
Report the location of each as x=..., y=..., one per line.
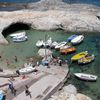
x=15, y=27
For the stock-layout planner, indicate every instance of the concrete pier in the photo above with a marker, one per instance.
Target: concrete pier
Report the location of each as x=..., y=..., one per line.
x=42, y=84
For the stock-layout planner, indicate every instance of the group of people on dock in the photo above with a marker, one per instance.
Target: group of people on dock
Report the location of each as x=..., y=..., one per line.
x=14, y=91
x=56, y=60
x=53, y=61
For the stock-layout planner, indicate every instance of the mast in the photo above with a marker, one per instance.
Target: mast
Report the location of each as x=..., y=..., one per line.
x=45, y=47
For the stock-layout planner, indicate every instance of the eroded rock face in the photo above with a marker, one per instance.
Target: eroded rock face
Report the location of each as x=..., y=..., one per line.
x=69, y=93
x=2, y=39
x=50, y=20
x=54, y=14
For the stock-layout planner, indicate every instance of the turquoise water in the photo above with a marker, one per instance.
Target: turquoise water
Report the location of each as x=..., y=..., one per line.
x=27, y=49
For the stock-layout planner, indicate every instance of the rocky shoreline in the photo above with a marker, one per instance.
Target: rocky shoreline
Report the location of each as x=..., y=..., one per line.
x=53, y=15
x=69, y=92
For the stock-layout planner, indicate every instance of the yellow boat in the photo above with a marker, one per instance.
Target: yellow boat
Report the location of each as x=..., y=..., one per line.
x=87, y=59
x=79, y=56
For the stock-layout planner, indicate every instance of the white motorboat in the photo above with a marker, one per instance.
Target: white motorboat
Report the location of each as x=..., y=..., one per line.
x=65, y=47
x=88, y=77
x=53, y=44
x=19, y=39
x=77, y=39
x=39, y=43
x=72, y=37
x=48, y=42
x=26, y=70
x=19, y=34
x=59, y=45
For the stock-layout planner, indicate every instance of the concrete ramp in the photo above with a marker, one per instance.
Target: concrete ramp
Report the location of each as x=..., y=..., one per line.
x=40, y=89
x=46, y=85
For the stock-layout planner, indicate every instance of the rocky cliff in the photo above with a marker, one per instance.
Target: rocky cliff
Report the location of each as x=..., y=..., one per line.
x=51, y=15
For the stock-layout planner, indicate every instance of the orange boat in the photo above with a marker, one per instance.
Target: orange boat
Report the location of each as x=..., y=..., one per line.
x=68, y=50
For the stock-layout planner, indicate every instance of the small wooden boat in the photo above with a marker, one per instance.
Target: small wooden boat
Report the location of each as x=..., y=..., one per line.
x=39, y=43
x=79, y=56
x=65, y=46
x=87, y=77
x=59, y=45
x=78, y=39
x=19, y=34
x=68, y=50
x=48, y=42
x=87, y=59
x=71, y=37
x=27, y=70
x=19, y=39
x=1, y=96
x=53, y=44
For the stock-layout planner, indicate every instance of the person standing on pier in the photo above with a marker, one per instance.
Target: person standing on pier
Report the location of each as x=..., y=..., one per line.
x=12, y=88
x=27, y=92
x=60, y=62
x=16, y=59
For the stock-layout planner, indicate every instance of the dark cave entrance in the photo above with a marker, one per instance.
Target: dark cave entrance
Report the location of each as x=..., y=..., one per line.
x=15, y=27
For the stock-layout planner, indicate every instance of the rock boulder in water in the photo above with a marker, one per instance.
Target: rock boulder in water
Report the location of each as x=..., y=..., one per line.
x=70, y=89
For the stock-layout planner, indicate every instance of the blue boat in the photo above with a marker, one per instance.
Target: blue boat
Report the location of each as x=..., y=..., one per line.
x=1, y=96
x=71, y=37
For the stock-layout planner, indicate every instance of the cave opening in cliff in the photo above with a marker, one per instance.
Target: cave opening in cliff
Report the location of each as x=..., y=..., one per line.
x=15, y=27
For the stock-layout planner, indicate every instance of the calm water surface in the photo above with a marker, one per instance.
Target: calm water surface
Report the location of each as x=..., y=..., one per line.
x=94, y=2
x=26, y=49
x=19, y=1
x=7, y=8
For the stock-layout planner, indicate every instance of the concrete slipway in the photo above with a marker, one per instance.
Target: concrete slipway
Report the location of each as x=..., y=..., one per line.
x=42, y=84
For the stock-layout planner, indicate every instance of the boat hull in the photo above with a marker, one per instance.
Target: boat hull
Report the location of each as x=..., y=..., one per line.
x=77, y=40
x=79, y=56
x=48, y=42
x=71, y=37
x=52, y=46
x=27, y=70
x=68, y=50
x=57, y=47
x=20, y=34
x=86, y=60
x=39, y=43
x=86, y=77
x=19, y=39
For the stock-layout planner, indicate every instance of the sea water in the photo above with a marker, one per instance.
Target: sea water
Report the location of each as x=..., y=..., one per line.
x=26, y=49
x=94, y=2
x=13, y=8
x=19, y=1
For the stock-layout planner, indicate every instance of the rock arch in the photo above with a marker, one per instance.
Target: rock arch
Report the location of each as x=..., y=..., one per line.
x=15, y=27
